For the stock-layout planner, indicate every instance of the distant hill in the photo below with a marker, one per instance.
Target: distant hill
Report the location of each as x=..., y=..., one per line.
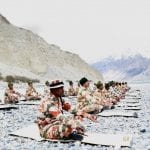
x=24, y=53
x=133, y=68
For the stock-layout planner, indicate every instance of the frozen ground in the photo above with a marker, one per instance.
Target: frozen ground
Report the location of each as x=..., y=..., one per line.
x=26, y=114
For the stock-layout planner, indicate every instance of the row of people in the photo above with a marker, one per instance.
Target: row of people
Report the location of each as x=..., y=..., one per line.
x=52, y=121
x=12, y=96
x=101, y=98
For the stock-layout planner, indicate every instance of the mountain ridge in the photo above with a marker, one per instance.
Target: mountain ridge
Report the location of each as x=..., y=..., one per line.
x=24, y=49
x=126, y=68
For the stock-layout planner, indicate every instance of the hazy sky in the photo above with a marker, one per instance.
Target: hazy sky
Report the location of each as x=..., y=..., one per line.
x=91, y=28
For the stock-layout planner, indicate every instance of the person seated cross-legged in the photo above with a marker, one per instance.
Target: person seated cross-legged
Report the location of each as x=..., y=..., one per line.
x=11, y=96
x=53, y=123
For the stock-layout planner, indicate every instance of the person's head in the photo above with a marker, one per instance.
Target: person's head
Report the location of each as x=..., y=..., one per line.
x=122, y=83
x=70, y=83
x=99, y=85
x=107, y=85
x=84, y=82
x=117, y=83
x=112, y=83
x=30, y=83
x=57, y=88
x=10, y=85
x=47, y=83
x=78, y=84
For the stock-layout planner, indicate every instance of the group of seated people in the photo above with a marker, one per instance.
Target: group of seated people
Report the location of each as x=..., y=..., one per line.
x=12, y=96
x=52, y=120
x=54, y=124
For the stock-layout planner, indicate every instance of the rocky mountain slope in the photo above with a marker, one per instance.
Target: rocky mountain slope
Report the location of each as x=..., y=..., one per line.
x=24, y=50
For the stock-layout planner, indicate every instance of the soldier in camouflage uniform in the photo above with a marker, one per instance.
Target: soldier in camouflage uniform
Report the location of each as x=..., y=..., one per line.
x=11, y=96
x=31, y=93
x=52, y=122
x=105, y=101
x=86, y=100
x=71, y=90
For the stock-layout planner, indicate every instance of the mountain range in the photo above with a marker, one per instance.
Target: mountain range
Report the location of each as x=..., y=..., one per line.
x=132, y=68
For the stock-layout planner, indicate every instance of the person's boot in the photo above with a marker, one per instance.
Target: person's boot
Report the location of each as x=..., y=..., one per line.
x=112, y=107
x=75, y=136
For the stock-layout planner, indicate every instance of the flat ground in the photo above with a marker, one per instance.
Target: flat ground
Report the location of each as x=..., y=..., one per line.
x=26, y=114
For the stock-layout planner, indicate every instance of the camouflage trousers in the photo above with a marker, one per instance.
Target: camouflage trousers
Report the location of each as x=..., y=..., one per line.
x=61, y=129
x=91, y=108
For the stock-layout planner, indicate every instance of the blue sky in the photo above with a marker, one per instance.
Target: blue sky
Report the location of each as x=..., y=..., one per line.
x=91, y=28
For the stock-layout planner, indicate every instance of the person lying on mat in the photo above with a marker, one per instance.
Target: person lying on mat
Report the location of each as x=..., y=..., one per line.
x=53, y=123
x=86, y=101
x=31, y=93
x=11, y=96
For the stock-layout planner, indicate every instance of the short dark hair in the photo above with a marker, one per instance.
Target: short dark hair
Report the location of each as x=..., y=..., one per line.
x=29, y=82
x=99, y=84
x=10, y=84
x=83, y=80
x=47, y=83
x=70, y=83
x=107, y=85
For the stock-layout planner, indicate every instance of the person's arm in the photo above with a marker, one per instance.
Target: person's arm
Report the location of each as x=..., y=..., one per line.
x=90, y=117
x=28, y=91
x=82, y=97
x=34, y=90
x=6, y=92
x=66, y=106
x=50, y=110
x=81, y=114
x=17, y=93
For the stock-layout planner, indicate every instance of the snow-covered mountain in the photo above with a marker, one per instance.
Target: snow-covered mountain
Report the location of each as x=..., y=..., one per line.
x=133, y=68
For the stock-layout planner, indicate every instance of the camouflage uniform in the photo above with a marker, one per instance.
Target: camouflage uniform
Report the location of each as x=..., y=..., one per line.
x=87, y=102
x=52, y=122
x=31, y=94
x=114, y=91
x=11, y=96
x=46, y=91
x=104, y=101
x=71, y=91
